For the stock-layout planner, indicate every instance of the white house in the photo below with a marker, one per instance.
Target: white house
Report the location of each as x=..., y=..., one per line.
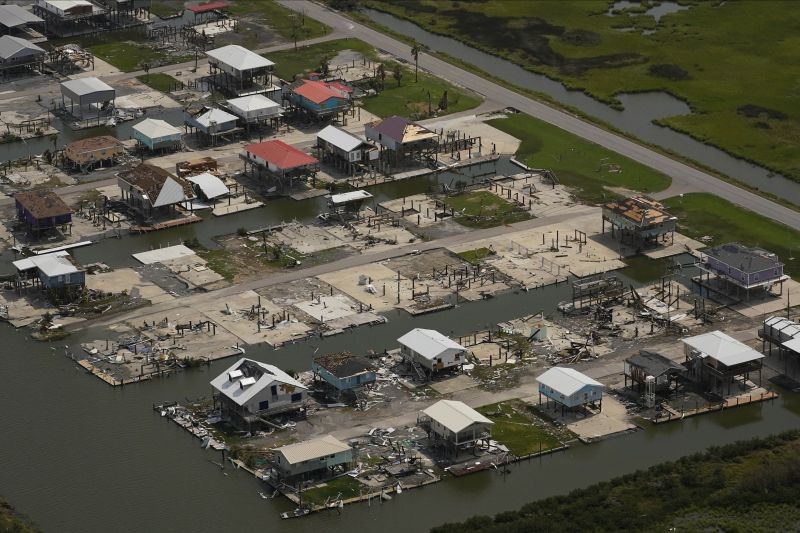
x=250, y=389
x=318, y=457
x=341, y=144
x=455, y=424
x=431, y=350
x=717, y=360
x=155, y=133
x=254, y=108
x=569, y=388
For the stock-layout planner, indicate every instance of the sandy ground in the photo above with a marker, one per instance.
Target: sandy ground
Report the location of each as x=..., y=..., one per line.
x=130, y=280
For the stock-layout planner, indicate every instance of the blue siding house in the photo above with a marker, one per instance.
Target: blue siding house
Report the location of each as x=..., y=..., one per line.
x=318, y=98
x=743, y=266
x=344, y=371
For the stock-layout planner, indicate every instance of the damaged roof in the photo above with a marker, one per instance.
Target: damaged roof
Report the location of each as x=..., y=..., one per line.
x=344, y=364
x=640, y=210
x=402, y=129
x=247, y=377
x=654, y=364
x=157, y=185
x=42, y=203
x=103, y=142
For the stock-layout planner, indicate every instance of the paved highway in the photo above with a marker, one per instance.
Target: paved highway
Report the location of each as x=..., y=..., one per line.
x=684, y=176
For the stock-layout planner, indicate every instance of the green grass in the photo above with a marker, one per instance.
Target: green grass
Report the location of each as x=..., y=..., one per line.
x=344, y=485
x=589, y=168
x=291, y=63
x=162, y=10
x=280, y=19
x=129, y=56
x=475, y=256
x=701, y=214
x=713, y=57
x=158, y=81
x=516, y=429
x=482, y=209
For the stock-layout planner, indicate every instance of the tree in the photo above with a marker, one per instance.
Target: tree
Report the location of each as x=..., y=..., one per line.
x=325, y=67
x=397, y=73
x=382, y=75
x=415, y=50
x=443, y=101
x=296, y=28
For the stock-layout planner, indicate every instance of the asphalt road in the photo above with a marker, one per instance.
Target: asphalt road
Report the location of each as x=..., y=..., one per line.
x=325, y=268
x=684, y=177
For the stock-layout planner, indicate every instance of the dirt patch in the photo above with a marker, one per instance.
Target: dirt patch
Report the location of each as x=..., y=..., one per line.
x=755, y=111
x=581, y=38
x=668, y=72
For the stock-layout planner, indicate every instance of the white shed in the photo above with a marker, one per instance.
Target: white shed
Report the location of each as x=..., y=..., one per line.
x=569, y=388
x=431, y=350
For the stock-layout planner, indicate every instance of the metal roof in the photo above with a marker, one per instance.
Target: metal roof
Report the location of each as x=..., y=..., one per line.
x=351, y=196
x=154, y=128
x=164, y=254
x=784, y=325
x=51, y=265
x=84, y=86
x=280, y=154
x=455, y=416
x=254, y=102
x=340, y=138
x=12, y=46
x=158, y=185
x=264, y=374
x=211, y=185
x=217, y=116
x=316, y=91
x=723, y=348
x=793, y=344
x=566, y=381
x=428, y=343
x=30, y=262
x=210, y=6
x=312, y=449
x=239, y=57
x=12, y=16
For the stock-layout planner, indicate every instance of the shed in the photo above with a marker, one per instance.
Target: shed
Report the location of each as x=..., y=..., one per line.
x=16, y=52
x=639, y=367
x=569, y=388
x=455, y=424
x=254, y=108
x=250, y=389
x=85, y=153
x=208, y=186
x=318, y=457
x=717, y=359
x=148, y=189
x=87, y=91
x=431, y=350
x=156, y=134
x=54, y=271
x=348, y=204
x=42, y=209
x=344, y=371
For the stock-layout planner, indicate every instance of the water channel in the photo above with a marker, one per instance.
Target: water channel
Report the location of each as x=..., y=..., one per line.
x=640, y=109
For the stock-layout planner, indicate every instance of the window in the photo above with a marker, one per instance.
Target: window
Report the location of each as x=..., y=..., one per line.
x=274, y=390
x=297, y=397
x=263, y=405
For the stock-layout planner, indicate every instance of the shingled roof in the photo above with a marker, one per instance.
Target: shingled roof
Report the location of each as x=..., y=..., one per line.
x=42, y=203
x=103, y=142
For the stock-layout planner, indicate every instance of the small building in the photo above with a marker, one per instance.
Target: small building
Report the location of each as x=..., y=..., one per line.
x=782, y=332
x=213, y=123
x=663, y=371
x=341, y=148
x=717, y=360
x=152, y=191
x=318, y=458
x=280, y=160
x=208, y=187
x=91, y=95
x=86, y=153
x=42, y=210
x=19, y=54
x=401, y=140
x=14, y=18
x=455, y=425
x=238, y=71
x=256, y=109
x=249, y=391
x=53, y=271
x=318, y=99
x=743, y=269
x=344, y=371
x=63, y=18
x=157, y=134
x=432, y=351
x=639, y=220
x=569, y=388
x=347, y=204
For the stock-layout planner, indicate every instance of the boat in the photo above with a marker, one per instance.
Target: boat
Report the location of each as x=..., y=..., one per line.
x=297, y=513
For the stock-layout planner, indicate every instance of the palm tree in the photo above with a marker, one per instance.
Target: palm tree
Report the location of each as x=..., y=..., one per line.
x=382, y=74
x=415, y=50
x=397, y=73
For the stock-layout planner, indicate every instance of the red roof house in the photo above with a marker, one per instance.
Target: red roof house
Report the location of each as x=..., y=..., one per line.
x=319, y=97
x=279, y=157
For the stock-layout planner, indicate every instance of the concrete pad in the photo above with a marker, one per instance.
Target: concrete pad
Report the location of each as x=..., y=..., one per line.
x=163, y=254
x=682, y=245
x=346, y=281
x=130, y=280
x=454, y=384
x=306, y=239
x=326, y=308
x=193, y=270
x=476, y=127
x=765, y=307
x=145, y=100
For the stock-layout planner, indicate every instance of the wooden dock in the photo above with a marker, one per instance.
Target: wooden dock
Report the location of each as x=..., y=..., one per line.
x=737, y=401
x=167, y=224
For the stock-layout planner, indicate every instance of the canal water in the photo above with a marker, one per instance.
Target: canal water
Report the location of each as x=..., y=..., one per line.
x=640, y=109
x=80, y=456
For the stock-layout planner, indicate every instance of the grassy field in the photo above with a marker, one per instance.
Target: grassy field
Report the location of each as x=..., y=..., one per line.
x=586, y=166
x=475, y=256
x=741, y=86
x=514, y=428
x=410, y=98
x=343, y=486
x=13, y=522
x=158, y=81
x=281, y=19
x=701, y=214
x=162, y=9
x=747, y=486
x=482, y=209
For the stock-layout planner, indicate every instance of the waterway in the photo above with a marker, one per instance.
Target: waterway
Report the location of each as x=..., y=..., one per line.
x=79, y=456
x=636, y=118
